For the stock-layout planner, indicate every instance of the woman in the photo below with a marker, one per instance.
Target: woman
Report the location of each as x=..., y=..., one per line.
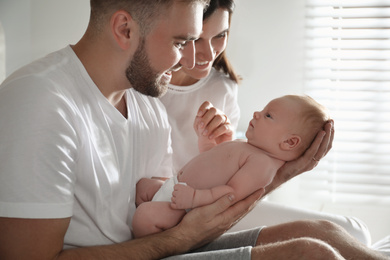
x=212, y=79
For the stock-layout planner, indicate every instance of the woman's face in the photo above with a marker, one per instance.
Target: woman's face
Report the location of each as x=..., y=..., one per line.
x=210, y=44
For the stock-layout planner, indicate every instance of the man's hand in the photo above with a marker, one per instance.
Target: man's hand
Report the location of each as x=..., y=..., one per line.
x=318, y=149
x=204, y=224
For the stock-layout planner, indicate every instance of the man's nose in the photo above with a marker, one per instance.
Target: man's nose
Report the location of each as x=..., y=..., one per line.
x=188, y=58
x=206, y=49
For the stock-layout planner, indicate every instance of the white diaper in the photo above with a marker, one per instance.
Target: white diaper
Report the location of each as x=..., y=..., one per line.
x=165, y=192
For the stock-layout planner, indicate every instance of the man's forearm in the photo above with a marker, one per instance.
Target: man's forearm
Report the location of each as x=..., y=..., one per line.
x=200, y=226
x=156, y=246
x=284, y=174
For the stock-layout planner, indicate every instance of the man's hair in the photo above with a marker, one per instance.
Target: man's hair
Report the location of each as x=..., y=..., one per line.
x=144, y=12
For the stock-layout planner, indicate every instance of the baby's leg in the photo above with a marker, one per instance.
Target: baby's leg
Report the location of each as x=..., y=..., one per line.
x=155, y=216
x=146, y=188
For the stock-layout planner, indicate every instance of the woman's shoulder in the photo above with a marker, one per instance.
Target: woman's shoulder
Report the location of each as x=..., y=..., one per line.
x=219, y=78
x=217, y=74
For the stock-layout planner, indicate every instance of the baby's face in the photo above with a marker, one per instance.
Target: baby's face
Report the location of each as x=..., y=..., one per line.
x=272, y=125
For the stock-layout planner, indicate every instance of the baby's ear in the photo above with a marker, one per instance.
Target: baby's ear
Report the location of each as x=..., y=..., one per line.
x=291, y=143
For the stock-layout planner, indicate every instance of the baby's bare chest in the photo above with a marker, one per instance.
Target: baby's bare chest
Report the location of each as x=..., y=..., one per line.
x=214, y=167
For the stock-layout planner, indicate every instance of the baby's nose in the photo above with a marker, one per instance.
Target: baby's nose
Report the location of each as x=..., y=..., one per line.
x=256, y=115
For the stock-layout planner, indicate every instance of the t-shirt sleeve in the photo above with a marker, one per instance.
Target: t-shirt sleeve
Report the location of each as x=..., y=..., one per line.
x=38, y=144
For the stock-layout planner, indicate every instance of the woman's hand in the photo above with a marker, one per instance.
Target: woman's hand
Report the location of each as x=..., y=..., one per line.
x=212, y=123
x=318, y=149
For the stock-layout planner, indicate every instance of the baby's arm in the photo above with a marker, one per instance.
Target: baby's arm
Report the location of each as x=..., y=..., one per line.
x=186, y=197
x=257, y=172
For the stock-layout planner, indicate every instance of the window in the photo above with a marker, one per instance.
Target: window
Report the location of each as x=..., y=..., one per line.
x=348, y=70
x=2, y=54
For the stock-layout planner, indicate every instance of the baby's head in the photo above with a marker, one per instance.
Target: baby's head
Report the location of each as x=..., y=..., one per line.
x=287, y=126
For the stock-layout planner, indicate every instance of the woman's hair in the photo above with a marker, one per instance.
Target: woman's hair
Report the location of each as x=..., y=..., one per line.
x=222, y=63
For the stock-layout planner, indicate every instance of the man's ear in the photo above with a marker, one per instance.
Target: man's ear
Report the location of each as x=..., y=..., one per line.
x=291, y=143
x=122, y=25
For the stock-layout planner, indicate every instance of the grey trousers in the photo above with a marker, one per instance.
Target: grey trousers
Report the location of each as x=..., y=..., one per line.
x=229, y=246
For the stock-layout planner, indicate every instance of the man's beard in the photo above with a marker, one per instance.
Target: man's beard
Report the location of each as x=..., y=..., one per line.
x=141, y=76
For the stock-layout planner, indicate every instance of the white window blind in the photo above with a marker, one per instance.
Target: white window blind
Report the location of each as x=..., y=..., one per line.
x=2, y=54
x=348, y=70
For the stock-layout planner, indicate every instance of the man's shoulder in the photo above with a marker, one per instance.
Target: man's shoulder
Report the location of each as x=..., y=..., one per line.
x=42, y=70
x=53, y=74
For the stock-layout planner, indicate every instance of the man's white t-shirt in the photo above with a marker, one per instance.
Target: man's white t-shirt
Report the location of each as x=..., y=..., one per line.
x=182, y=104
x=67, y=152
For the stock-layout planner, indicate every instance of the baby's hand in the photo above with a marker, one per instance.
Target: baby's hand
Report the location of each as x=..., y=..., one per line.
x=182, y=196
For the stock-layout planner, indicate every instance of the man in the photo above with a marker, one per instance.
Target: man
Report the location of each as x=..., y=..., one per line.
x=76, y=135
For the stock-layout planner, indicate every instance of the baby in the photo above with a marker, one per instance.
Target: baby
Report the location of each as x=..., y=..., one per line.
x=281, y=132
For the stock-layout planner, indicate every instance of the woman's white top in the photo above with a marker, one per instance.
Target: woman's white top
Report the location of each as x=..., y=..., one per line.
x=182, y=104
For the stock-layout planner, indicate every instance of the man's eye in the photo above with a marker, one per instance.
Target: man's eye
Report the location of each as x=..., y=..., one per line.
x=180, y=45
x=222, y=35
x=268, y=115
